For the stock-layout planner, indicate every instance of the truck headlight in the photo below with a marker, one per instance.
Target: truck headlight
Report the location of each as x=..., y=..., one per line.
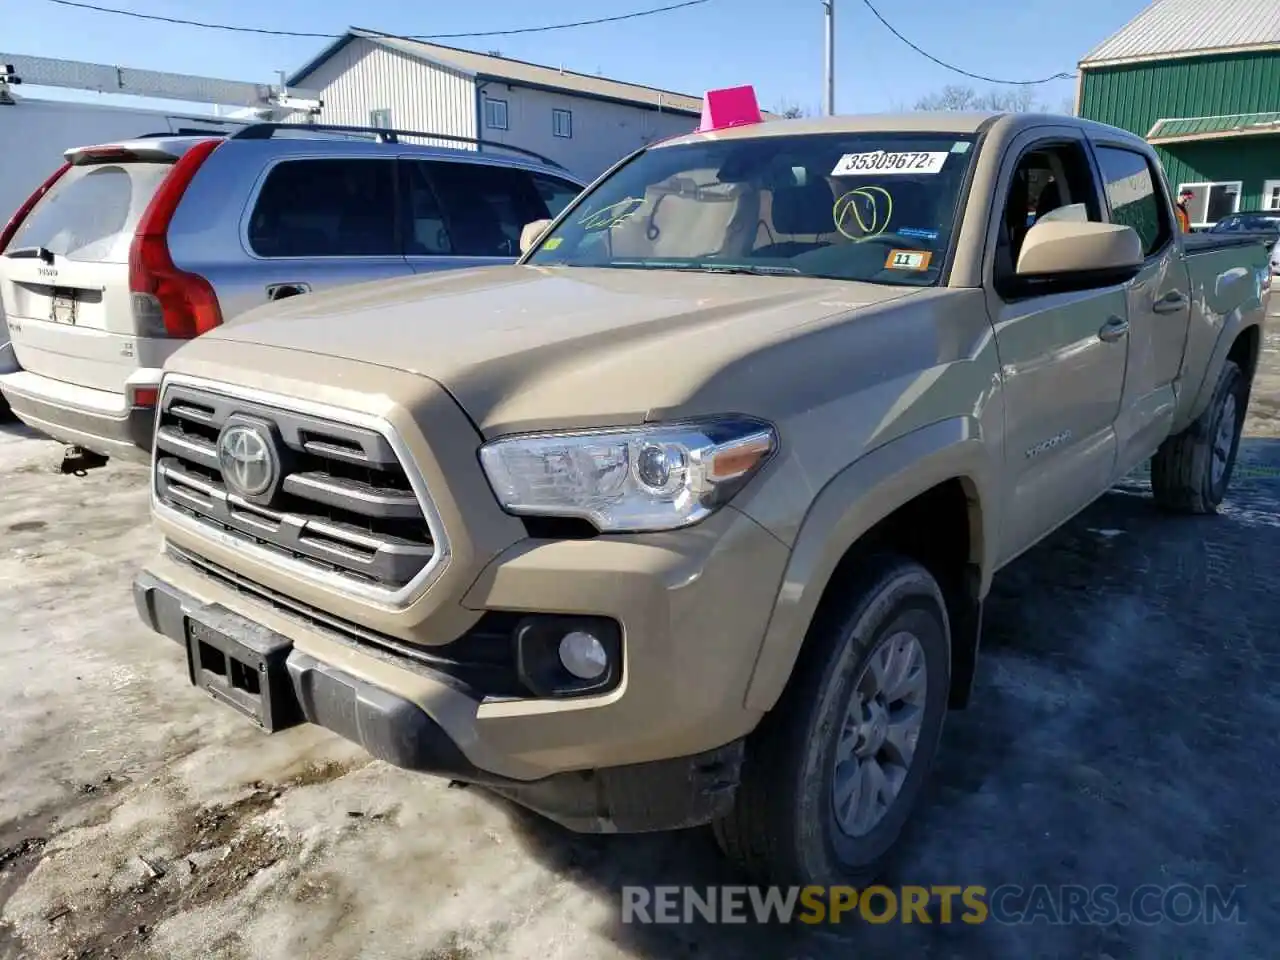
x=629, y=479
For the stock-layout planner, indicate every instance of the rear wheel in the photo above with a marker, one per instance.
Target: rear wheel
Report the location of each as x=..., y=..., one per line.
x=1191, y=471
x=834, y=770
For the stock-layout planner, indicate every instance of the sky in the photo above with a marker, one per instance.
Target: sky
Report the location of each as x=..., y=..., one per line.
x=775, y=45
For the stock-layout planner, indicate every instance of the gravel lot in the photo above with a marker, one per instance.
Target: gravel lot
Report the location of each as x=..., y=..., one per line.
x=1124, y=732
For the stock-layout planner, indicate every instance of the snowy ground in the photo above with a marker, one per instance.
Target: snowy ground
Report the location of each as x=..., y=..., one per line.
x=1124, y=732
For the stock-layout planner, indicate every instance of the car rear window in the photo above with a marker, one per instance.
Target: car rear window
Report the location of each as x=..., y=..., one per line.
x=326, y=208
x=91, y=212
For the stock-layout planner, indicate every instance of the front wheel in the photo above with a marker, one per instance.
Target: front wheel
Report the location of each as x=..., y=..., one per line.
x=834, y=770
x=1191, y=471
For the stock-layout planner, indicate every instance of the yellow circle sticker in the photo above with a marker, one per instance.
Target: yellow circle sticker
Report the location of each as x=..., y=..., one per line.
x=866, y=210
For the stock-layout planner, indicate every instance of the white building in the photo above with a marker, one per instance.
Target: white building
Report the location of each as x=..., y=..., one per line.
x=582, y=122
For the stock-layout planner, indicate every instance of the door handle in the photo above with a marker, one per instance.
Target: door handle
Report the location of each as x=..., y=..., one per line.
x=1170, y=302
x=278, y=291
x=1113, y=329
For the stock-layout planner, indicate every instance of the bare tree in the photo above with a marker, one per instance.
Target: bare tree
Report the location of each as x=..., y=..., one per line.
x=951, y=97
x=791, y=110
x=1022, y=99
x=1013, y=100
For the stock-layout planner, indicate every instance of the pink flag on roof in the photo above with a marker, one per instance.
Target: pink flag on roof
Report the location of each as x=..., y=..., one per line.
x=730, y=107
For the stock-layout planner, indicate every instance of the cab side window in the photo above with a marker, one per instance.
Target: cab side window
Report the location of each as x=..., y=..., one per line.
x=1134, y=199
x=1051, y=179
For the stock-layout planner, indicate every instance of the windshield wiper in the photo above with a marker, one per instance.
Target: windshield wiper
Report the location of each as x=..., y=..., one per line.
x=27, y=253
x=760, y=271
x=745, y=268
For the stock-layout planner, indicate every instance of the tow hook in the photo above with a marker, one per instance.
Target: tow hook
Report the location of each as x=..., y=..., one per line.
x=79, y=461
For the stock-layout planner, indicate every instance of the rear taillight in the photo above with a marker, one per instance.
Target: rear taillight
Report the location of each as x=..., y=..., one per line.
x=184, y=303
x=16, y=220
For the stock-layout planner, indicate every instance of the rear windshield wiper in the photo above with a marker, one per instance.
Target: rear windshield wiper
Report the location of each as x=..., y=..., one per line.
x=27, y=253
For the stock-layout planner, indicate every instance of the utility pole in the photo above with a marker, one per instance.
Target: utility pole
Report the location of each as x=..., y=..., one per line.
x=830, y=106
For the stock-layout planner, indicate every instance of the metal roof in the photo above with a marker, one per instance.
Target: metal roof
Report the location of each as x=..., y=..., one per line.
x=1176, y=28
x=1226, y=126
x=488, y=67
x=1169, y=29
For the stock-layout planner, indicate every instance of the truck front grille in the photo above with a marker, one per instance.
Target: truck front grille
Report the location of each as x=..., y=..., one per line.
x=339, y=501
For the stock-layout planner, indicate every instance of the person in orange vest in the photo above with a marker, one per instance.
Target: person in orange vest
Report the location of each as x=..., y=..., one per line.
x=1184, y=218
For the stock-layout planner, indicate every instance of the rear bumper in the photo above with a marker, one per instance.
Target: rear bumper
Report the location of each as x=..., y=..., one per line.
x=94, y=419
x=660, y=795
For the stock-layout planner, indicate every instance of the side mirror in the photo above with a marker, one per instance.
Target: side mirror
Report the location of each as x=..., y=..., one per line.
x=1084, y=252
x=530, y=234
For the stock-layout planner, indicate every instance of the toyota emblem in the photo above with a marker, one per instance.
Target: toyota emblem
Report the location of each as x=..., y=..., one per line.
x=247, y=458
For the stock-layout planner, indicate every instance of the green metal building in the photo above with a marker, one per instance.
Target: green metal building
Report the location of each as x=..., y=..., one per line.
x=1200, y=79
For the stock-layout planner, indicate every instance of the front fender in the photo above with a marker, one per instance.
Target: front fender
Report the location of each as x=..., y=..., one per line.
x=853, y=502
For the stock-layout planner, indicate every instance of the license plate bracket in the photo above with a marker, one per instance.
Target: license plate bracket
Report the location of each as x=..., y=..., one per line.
x=242, y=665
x=62, y=307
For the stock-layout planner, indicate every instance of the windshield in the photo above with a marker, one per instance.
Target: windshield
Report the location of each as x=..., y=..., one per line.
x=875, y=207
x=1242, y=222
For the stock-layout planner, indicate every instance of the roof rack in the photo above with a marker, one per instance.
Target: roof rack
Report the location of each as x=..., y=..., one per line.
x=266, y=130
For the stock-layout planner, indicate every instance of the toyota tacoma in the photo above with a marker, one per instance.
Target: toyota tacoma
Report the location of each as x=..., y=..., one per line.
x=687, y=517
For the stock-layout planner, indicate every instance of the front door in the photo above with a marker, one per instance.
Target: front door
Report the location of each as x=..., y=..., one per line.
x=1062, y=355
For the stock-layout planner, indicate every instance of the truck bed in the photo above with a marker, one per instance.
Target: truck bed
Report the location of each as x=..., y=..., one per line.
x=1204, y=242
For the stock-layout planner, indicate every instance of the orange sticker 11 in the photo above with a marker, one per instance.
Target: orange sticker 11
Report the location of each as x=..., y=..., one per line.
x=908, y=260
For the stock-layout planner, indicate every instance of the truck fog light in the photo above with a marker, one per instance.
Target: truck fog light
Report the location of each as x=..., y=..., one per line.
x=583, y=655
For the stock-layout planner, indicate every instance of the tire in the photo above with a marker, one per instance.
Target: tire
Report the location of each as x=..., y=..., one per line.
x=1191, y=471
x=784, y=827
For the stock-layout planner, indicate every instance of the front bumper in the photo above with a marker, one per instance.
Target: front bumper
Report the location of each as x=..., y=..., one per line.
x=96, y=420
x=661, y=795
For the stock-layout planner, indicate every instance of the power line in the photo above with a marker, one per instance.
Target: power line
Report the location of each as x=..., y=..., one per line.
x=952, y=67
x=333, y=36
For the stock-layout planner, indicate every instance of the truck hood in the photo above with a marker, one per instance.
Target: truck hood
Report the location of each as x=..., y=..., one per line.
x=525, y=347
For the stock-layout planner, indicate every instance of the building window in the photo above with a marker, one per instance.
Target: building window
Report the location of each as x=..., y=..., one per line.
x=1211, y=201
x=380, y=119
x=1271, y=195
x=495, y=114
x=562, y=123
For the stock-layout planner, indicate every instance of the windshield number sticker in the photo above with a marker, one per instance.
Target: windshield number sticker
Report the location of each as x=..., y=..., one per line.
x=881, y=162
x=908, y=260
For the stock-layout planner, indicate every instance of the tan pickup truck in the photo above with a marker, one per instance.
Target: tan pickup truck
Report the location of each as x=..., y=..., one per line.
x=688, y=517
